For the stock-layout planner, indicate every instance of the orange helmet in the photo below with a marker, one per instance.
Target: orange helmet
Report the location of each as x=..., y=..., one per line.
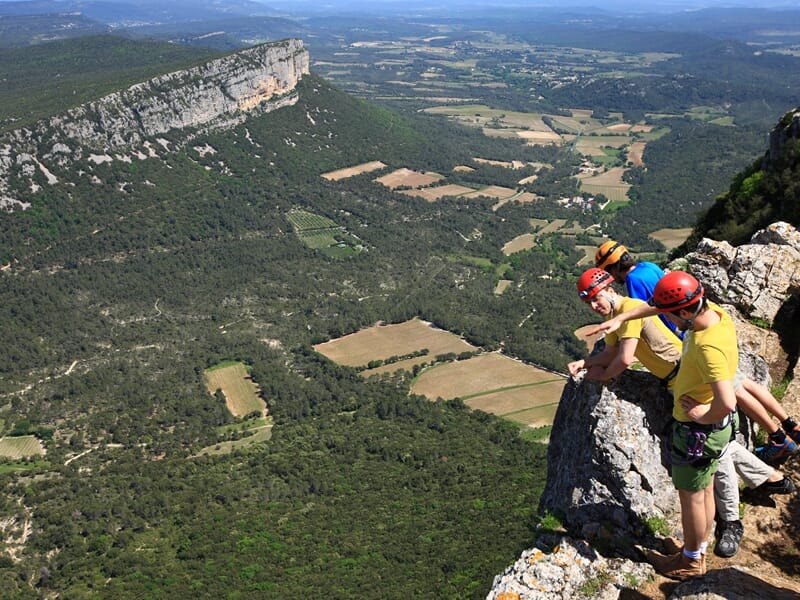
x=676, y=290
x=592, y=281
x=608, y=254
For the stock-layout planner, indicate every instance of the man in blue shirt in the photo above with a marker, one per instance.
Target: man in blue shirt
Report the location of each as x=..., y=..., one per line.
x=639, y=278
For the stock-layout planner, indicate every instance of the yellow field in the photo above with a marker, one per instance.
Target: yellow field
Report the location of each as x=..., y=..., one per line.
x=671, y=238
x=509, y=164
x=521, y=198
x=484, y=373
x=590, y=341
x=432, y=194
x=492, y=191
x=526, y=241
x=241, y=394
x=550, y=226
x=21, y=446
x=609, y=183
x=382, y=341
x=533, y=405
x=502, y=286
x=354, y=170
x=635, y=153
x=540, y=137
x=407, y=177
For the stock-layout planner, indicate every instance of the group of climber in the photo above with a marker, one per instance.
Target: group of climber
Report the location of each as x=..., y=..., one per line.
x=667, y=323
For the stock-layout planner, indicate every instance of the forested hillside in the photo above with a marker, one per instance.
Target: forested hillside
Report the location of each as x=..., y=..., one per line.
x=765, y=192
x=119, y=290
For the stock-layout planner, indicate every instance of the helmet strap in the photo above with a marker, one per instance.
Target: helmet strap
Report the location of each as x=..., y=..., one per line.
x=689, y=323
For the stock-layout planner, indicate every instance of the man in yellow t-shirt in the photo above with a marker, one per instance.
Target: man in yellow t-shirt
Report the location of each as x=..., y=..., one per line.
x=703, y=403
x=647, y=340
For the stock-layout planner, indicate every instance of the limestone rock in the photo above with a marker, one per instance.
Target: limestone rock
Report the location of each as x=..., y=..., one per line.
x=558, y=568
x=732, y=583
x=605, y=467
x=755, y=277
x=215, y=95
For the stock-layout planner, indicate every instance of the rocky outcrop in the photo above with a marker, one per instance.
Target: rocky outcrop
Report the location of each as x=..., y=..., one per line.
x=217, y=94
x=562, y=567
x=605, y=469
x=755, y=277
x=606, y=481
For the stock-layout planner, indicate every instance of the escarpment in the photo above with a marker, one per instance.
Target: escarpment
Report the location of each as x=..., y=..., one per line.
x=217, y=94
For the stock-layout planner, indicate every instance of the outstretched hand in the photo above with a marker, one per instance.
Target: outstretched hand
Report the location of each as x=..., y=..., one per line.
x=605, y=327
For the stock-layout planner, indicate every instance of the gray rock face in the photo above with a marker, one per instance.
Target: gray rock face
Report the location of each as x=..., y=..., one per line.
x=605, y=470
x=217, y=94
x=562, y=567
x=755, y=277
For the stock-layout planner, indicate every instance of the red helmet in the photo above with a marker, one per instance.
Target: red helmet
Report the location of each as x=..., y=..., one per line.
x=592, y=281
x=676, y=290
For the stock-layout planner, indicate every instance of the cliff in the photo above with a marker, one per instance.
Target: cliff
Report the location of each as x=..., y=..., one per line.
x=217, y=94
x=606, y=479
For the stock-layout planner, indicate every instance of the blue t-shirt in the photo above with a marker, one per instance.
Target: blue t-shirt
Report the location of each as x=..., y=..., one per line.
x=641, y=281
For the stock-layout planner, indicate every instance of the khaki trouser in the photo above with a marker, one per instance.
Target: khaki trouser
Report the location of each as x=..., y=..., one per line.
x=752, y=470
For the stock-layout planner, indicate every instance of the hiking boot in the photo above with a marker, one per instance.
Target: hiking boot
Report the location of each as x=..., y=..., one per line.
x=776, y=453
x=677, y=566
x=784, y=486
x=671, y=545
x=729, y=536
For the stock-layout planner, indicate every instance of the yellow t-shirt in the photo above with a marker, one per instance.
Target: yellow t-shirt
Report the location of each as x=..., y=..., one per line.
x=709, y=355
x=659, y=350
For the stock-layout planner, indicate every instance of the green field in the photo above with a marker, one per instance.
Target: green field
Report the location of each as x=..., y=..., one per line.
x=321, y=233
x=20, y=447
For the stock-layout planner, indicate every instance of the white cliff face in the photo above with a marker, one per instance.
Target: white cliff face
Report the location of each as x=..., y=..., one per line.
x=217, y=94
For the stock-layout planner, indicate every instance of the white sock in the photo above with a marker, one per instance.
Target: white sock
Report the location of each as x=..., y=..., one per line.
x=694, y=555
x=703, y=547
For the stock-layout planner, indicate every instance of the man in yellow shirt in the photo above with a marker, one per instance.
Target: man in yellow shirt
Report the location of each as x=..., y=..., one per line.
x=703, y=404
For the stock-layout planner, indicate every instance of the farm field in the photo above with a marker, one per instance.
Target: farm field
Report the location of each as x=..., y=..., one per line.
x=241, y=394
x=636, y=152
x=590, y=341
x=497, y=384
x=502, y=286
x=477, y=375
x=259, y=433
x=432, y=194
x=384, y=341
x=671, y=238
x=15, y=447
x=492, y=191
x=609, y=184
x=321, y=233
x=526, y=241
x=407, y=177
x=345, y=173
x=521, y=197
x=533, y=405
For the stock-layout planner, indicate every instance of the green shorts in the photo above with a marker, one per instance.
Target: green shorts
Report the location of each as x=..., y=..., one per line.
x=696, y=475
